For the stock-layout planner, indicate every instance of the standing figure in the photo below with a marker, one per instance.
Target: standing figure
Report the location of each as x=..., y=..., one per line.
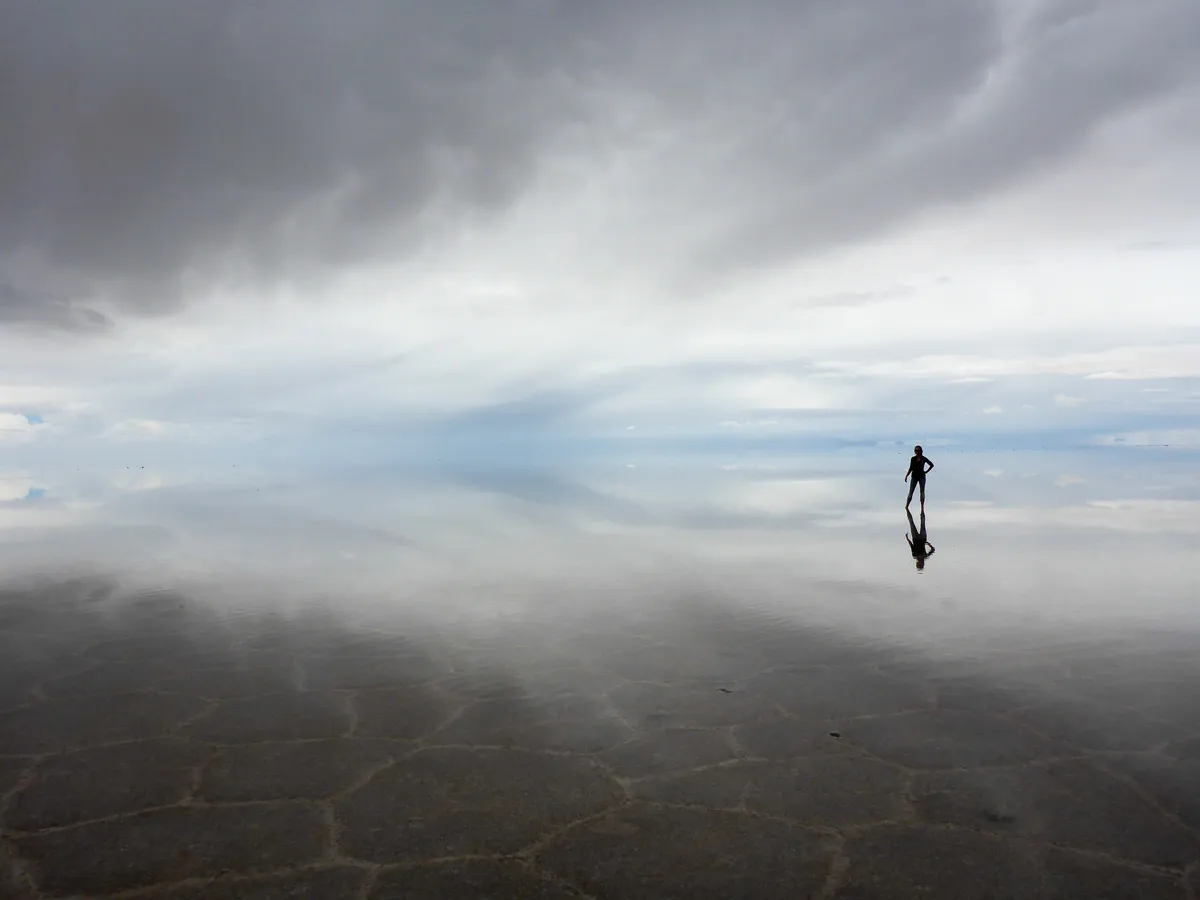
x=919, y=542
x=917, y=470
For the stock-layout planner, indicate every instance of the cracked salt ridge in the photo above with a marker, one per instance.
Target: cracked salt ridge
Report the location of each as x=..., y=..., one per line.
x=573, y=844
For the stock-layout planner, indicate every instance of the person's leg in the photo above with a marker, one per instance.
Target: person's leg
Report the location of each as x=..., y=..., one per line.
x=912, y=486
x=922, y=493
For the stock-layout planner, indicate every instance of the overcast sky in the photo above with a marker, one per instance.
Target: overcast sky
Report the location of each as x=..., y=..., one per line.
x=288, y=219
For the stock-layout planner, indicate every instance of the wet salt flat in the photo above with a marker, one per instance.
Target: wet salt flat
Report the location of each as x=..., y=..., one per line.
x=632, y=680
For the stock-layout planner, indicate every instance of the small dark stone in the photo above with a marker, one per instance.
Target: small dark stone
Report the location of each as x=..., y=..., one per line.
x=999, y=817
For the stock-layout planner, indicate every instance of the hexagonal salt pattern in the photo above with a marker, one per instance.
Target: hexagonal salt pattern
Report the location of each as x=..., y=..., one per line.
x=149, y=751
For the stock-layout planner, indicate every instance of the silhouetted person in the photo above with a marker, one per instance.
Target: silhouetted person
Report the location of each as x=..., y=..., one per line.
x=917, y=470
x=919, y=542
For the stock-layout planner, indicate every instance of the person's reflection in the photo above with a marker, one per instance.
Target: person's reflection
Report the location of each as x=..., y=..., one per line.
x=919, y=542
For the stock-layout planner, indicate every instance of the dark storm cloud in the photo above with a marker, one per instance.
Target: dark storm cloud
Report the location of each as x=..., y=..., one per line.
x=19, y=306
x=963, y=114
x=150, y=142
x=150, y=148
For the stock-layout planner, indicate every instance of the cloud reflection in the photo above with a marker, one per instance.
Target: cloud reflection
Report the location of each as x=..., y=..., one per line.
x=782, y=539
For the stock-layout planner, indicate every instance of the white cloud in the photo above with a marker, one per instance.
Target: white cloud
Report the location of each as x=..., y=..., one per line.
x=1167, y=360
x=16, y=428
x=1134, y=515
x=927, y=232
x=15, y=488
x=146, y=429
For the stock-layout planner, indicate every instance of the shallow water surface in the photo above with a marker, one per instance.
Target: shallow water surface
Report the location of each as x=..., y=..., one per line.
x=628, y=680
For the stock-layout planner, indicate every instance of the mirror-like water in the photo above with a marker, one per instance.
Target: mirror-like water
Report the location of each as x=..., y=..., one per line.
x=634, y=679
